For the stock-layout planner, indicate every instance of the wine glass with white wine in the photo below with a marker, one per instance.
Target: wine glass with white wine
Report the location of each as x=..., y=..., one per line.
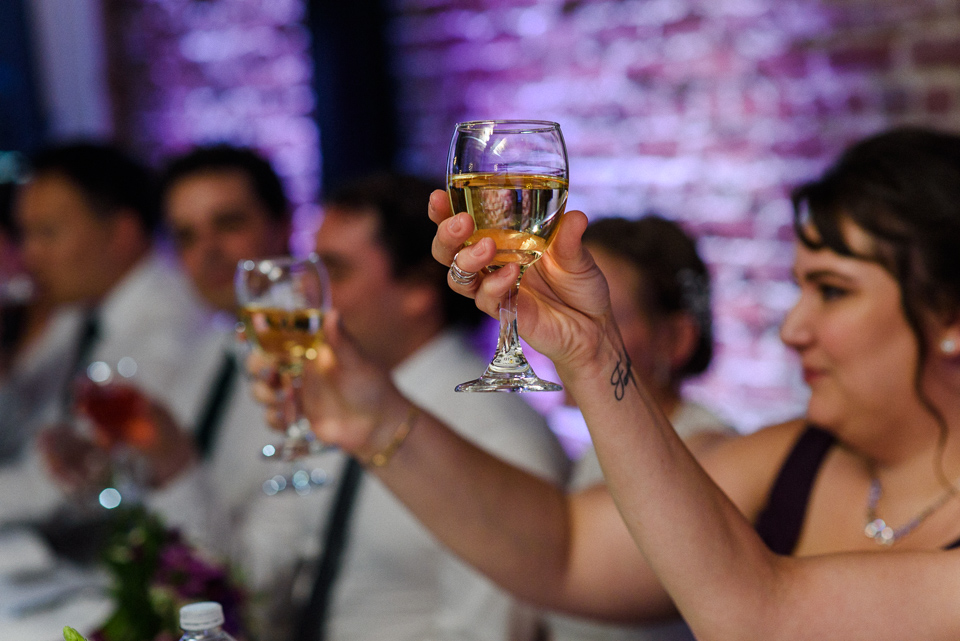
x=282, y=304
x=511, y=176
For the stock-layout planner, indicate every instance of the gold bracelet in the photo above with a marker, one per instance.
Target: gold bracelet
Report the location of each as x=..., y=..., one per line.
x=383, y=457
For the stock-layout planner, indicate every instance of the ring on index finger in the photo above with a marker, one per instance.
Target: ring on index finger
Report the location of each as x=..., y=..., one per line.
x=459, y=276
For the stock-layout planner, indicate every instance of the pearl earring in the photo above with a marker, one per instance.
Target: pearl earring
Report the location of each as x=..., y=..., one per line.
x=948, y=346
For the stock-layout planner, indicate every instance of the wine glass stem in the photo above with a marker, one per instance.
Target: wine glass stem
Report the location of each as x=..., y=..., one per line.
x=296, y=440
x=127, y=475
x=509, y=353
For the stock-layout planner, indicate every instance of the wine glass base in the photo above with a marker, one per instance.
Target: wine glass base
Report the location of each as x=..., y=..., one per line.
x=302, y=481
x=293, y=471
x=296, y=451
x=509, y=382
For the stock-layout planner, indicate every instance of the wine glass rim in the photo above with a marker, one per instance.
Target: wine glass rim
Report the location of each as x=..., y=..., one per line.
x=249, y=264
x=532, y=126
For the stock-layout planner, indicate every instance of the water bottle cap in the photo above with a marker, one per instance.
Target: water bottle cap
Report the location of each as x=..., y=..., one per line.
x=201, y=616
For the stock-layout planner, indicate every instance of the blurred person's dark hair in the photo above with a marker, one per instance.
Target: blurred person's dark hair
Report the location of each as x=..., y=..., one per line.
x=8, y=225
x=265, y=182
x=399, y=203
x=110, y=179
x=674, y=276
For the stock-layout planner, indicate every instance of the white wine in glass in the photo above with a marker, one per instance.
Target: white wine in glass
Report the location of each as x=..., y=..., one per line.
x=289, y=336
x=511, y=176
x=283, y=302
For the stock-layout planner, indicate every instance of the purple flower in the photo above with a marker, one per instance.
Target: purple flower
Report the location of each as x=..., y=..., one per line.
x=175, y=575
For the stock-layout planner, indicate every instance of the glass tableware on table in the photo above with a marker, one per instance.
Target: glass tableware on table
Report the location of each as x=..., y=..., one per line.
x=115, y=416
x=512, y=177
x=16, y=294
x=283, y=301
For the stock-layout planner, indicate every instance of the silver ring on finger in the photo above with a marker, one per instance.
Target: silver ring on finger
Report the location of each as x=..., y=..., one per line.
x=459, y=276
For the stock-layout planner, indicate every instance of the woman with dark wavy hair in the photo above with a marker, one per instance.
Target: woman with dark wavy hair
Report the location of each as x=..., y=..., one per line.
x=842, y=525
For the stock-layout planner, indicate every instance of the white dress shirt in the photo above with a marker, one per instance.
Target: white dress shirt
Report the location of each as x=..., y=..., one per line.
x=265, y=538
x=396, y=582
x=151, y=316
x=30, y=394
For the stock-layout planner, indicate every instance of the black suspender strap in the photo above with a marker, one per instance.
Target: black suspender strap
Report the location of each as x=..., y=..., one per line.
x=214, y=409
x=87, y=339
x=312, y=624
x=89, y=335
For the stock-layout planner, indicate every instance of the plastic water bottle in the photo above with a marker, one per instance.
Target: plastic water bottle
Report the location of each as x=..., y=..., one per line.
x=203, y=622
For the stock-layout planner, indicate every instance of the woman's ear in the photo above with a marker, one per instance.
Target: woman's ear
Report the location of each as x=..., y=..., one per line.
x=419, y=299
x=280, y=236
x=684, y=335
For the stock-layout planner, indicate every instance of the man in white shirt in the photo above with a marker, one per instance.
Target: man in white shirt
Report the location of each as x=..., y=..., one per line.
x=395, y=581
x=224, y=204
x=88, y=214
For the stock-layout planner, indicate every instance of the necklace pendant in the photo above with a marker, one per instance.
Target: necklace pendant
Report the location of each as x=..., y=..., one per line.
x=873, y=528
x=879, y=531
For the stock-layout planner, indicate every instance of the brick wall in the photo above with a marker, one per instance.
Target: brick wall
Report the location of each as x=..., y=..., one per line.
x=192, y=71
x=706, y=110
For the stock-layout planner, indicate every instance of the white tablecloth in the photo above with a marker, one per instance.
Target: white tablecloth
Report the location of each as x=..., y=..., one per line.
x=39, y=595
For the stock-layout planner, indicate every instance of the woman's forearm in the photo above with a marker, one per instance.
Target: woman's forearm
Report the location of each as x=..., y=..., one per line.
x=705, y=553
x=562, y=552
x=495, y=516
x=523, y=532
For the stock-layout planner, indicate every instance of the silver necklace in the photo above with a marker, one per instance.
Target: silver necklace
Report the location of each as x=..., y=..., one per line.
x=878, y=530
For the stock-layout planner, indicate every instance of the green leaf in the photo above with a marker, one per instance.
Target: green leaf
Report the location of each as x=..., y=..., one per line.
x=69, y=634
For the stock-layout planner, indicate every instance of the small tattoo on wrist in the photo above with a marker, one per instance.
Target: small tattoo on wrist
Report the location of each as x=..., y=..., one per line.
x=622, y=375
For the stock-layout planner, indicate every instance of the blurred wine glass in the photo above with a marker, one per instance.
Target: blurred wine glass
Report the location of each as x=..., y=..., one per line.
x=283, y=301
x=115, y=416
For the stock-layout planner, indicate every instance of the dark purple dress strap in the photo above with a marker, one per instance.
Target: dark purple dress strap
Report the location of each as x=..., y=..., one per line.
x=780, y=521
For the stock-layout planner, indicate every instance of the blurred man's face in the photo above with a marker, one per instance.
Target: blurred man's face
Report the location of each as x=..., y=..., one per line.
x=67, y=249
x=646, y=338
x=217, y=221
x=362, y=286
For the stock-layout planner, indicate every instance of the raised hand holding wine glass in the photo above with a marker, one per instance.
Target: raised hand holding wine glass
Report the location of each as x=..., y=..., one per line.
x=512, y=177
x=283, y=301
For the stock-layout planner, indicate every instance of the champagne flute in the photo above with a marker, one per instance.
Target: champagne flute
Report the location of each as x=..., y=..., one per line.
x=512, y=178
x=283, y=301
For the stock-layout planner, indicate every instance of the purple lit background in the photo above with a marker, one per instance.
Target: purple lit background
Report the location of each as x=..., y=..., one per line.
x=196, y=71
x=706, y=111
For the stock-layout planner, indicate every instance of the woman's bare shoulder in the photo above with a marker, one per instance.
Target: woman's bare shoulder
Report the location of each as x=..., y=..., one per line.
x=745, y=467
